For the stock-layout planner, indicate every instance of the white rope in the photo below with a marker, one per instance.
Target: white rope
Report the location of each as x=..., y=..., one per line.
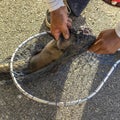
x=49, y=102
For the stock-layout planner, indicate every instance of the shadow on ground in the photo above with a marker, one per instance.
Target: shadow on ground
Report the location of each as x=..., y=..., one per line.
x=105, y=105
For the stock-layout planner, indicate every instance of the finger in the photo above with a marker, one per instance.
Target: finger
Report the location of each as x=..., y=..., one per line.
x=56, y=33
x=69, y=20
x=65, y=32
x=69, y=25
x=95, y=47
x=100, y=35
x=101, y=51
x=97, y=41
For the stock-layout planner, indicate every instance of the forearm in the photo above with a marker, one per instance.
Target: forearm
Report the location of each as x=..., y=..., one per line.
x=54, y=4
x=117, y=29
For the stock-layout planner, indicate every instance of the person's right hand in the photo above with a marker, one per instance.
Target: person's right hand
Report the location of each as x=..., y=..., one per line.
x=60, y=23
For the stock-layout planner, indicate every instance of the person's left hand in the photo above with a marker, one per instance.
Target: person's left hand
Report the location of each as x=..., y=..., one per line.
x=107, y=43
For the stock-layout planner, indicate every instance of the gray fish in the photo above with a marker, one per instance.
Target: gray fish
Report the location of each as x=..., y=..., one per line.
x=78, y=42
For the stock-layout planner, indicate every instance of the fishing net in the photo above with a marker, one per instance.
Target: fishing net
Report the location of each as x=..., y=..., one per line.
x=70, y=80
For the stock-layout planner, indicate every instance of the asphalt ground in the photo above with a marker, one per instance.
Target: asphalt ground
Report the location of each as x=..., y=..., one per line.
x=21, y=19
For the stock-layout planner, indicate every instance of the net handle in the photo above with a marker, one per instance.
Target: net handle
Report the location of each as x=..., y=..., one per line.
x=75, y=102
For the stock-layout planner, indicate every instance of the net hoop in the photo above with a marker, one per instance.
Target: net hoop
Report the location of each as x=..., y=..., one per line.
x=69, y=103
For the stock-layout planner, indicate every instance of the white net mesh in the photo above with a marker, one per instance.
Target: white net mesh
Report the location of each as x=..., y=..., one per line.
x=72, y=77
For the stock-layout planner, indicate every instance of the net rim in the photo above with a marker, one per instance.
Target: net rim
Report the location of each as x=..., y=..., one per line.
x=69, y=103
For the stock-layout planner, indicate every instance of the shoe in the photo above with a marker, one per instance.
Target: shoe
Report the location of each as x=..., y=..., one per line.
x=113, y=2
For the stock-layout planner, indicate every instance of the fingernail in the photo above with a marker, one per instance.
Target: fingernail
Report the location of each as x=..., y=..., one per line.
x=66, y=36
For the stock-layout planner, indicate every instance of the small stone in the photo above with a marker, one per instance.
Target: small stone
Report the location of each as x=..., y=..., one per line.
x=97, y=110
x=114, y=2
x=2, y=82
x=19, y=96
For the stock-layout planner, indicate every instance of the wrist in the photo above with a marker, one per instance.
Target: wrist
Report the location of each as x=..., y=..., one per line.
x=54, y=5
x=59, y=11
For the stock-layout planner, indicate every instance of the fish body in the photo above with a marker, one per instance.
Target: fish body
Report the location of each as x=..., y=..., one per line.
x=78, y=42
x=55, y=49
x=49, y=54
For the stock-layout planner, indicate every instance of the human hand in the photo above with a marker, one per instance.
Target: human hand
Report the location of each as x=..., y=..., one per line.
x=107, y=42
x=60, y=23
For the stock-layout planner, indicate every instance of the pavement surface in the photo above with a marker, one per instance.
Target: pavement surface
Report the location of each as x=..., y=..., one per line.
x=21, y=19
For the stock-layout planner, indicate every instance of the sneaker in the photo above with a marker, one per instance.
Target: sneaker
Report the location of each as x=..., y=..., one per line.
x=113, y=2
